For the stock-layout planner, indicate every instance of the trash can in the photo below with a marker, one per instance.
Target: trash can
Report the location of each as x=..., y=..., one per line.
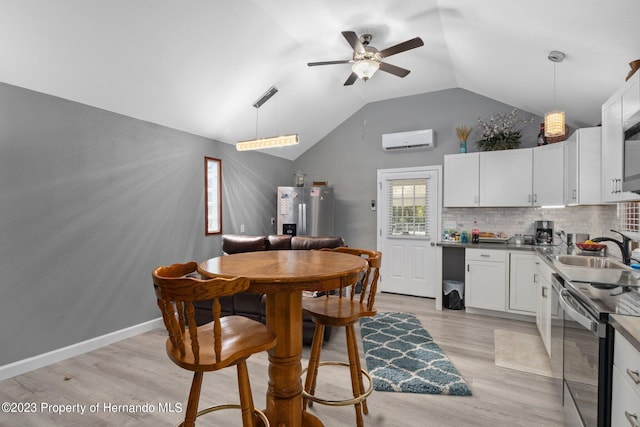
x=453, y=291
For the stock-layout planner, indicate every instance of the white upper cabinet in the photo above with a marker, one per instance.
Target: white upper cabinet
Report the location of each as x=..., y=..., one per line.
x=613, y=143
x=583, y=165
x=506, y=178
x=461, y=172
x=548, y=164
x=520, y=177
x=630, y=96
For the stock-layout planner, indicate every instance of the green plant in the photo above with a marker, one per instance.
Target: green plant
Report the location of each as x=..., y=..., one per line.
x=499, y=133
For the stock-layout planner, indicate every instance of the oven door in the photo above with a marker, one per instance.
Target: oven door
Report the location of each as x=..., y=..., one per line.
x=557, y=336
x=582, y=361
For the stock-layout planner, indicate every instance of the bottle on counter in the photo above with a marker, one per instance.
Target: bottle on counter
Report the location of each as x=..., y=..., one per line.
x=464, y=237
x=475, y=233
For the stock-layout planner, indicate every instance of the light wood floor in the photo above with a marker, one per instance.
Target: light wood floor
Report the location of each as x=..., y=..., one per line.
x=136, y=371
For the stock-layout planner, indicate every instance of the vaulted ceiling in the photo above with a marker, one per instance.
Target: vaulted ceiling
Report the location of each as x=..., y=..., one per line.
x=199, y=65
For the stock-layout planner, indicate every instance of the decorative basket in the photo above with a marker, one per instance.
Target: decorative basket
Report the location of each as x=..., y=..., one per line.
x=551, y=140
x=635, y=65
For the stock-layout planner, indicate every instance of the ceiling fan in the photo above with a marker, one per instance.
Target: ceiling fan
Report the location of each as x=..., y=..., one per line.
x=367, y=59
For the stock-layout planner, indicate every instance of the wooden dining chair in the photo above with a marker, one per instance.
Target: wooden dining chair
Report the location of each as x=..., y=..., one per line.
x=343, y=308
x=224, y=342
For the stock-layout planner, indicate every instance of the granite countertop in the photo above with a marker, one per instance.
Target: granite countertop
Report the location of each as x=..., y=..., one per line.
x=486, y=245
x=623, y=276
x=628, y=326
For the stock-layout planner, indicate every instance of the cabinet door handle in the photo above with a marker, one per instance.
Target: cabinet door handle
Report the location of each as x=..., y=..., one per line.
x=574, y=195
x=485, y=255
x=544, y=292
x=611, y=185
x=632, y=418
x=535, y=277
x=635, y=375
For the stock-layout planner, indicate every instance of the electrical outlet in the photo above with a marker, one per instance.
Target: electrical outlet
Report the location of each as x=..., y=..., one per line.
x=273, y=221
x=242, y=228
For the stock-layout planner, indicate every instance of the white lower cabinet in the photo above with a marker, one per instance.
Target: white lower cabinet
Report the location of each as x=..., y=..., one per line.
x=485, y=279
x=522, y=289
x=625, y=406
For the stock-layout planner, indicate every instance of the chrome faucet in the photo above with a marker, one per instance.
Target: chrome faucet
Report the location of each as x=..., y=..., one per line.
x=623, y=245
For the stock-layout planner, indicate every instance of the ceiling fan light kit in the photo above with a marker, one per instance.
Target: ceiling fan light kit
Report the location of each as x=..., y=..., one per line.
x=554, y=121
x=365, y=69
x=366, y=59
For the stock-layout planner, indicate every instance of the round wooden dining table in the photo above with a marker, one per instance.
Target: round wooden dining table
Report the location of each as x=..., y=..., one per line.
x=282, y=275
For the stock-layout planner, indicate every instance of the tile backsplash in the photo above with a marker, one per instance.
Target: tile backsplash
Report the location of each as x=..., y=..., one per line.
x=594, y=220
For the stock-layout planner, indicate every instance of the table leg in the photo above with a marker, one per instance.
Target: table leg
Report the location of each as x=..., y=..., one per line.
x=284, y=394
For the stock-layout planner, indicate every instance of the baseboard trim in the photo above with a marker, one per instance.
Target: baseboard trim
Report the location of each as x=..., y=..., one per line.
x=45, y=359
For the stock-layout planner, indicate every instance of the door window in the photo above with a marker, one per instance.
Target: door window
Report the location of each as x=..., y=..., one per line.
x=408, y=207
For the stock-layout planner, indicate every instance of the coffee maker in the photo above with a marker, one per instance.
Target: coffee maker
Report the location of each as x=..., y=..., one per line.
x=544, y=232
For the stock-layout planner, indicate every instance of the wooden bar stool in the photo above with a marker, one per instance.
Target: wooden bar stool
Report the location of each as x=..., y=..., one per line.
x=343, y=308
x=224, y=342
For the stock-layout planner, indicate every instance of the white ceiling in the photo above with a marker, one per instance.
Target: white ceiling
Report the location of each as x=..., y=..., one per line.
x=199, y=65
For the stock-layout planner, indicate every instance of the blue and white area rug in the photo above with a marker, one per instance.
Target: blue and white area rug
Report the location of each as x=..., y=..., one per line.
x=401, y=356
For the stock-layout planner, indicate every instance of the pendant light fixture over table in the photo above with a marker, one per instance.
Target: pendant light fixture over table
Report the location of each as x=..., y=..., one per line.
x=554, y=121
x=270, y=142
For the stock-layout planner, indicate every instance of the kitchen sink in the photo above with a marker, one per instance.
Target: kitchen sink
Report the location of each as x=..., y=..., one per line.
x=587, y=261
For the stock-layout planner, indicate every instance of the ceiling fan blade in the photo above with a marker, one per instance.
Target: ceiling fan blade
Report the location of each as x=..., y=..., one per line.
x=354, y=41
x=343, y=61
x=351, y=79
x=401, y=47
x=397, y=71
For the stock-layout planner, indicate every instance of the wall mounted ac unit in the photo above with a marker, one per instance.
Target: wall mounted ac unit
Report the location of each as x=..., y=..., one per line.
x=407, y=140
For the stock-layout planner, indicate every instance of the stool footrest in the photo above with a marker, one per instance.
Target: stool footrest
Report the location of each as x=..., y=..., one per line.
x=345, y=402
x=258, y=412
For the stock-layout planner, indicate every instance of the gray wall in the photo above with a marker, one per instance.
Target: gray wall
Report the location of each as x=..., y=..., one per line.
x=91, y=202
x=350, y=156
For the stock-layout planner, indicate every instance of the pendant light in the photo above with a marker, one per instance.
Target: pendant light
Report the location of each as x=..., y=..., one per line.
x=554, y=121
x=270, y=142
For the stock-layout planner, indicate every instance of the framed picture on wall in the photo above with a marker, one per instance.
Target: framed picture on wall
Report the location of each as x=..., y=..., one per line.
x=213, y=195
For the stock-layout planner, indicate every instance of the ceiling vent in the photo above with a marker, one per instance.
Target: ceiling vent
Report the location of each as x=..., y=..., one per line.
x=408, y=140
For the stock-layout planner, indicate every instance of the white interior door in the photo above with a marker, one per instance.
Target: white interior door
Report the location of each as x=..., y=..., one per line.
x=409, y=206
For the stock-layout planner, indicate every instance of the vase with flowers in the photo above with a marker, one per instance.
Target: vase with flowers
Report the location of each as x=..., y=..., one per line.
x=500, y=133
x=463, y=133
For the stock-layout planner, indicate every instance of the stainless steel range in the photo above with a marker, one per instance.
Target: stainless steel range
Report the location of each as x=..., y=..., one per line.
x=588, y=346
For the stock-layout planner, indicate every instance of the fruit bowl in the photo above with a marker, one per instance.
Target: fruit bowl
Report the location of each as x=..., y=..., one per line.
x=593, y=247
